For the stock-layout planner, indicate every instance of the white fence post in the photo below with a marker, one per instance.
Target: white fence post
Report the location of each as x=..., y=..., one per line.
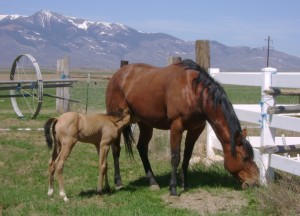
x=210, y=154
x=267, y=133
x=63, y=72
x=258, y=114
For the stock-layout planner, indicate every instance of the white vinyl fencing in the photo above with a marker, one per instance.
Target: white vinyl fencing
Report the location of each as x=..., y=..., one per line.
x=257, y=114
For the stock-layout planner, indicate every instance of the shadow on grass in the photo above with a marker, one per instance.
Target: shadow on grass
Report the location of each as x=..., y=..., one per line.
x=213, y=177
x=88, y=193
x=196, y=178
x=94, y=192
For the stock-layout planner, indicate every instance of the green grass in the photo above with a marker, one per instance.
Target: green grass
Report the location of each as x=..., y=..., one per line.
x=24, y=182
x=252, y=95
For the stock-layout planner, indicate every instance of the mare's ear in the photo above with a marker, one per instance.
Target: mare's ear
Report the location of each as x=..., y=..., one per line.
x=244, y=132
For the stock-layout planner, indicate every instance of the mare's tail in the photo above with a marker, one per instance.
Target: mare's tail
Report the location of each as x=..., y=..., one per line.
x=47, y=131
x=128, y=139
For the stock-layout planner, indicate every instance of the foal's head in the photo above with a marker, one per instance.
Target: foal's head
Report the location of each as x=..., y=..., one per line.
x=241, y=164
x=126, y=115
x=121, y=118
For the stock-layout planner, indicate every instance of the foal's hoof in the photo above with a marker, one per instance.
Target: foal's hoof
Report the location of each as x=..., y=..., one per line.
x=100, y=192
x=50, y=192
x=66, y=199
x=105, y=190
x=64, y=196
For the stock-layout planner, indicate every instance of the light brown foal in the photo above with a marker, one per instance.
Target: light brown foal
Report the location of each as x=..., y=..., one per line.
x=71, y=127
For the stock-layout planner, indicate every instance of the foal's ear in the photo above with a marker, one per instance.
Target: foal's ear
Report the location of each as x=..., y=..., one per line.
x=244, y=132
x=126, y=111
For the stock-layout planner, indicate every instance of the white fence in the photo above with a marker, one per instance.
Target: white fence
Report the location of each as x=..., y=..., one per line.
x=257, y=114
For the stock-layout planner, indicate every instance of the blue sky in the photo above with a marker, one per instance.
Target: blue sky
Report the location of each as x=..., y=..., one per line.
x=231, y=22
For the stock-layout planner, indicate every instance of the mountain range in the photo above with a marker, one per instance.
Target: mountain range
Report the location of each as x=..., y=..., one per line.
x=49, y=36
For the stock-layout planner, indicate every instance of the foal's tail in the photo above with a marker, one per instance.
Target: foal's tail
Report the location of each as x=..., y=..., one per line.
x=47, y=131
x=128, y=139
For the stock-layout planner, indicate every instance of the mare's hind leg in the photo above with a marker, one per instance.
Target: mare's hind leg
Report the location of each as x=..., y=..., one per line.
x=116, y=149
x=142, y=146
x=191, y=138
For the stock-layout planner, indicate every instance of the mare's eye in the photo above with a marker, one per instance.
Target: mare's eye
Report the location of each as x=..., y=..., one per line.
x=244, y=158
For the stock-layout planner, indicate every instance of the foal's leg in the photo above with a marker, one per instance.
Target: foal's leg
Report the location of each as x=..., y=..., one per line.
x=191, y=138
x=142, y=146
x=175, y=140
x=51, y=169
x=104, y=149
x=64, y=154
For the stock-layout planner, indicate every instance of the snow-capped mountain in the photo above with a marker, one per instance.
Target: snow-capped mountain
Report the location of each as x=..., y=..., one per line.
x=49, y=36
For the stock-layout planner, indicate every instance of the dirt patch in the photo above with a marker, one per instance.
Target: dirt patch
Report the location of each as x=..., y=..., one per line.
x=204, y=202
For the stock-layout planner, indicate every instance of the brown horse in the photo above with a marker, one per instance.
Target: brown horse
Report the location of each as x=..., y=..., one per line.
x=180, y=97
x=98, y=129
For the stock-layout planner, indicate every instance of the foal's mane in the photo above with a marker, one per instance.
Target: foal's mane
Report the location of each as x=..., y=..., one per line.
x=219, y=97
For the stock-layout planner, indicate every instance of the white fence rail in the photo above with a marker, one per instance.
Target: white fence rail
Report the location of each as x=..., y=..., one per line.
x=257, y=114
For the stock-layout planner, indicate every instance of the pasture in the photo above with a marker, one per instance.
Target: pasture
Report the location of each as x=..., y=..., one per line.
x=212, y=190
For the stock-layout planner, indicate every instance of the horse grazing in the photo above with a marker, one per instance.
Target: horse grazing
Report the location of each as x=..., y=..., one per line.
x=180, y=97
x=98, y=129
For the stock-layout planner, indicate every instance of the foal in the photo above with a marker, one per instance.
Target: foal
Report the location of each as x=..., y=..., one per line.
x=98, y=129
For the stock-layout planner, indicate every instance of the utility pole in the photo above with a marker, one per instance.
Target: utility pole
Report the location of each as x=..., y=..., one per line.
x=268, y=50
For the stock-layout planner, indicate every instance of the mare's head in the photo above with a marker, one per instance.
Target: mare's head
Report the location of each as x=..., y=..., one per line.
x=240, y=163
x=238, y=153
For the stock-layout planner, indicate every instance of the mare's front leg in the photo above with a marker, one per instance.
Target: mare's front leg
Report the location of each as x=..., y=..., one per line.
x=104, y=149
x=175, y=140
x=116, y=149
x=142, y=146
x=191, y=138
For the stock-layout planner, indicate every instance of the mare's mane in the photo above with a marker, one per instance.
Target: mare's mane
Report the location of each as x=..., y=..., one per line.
x=219, y=97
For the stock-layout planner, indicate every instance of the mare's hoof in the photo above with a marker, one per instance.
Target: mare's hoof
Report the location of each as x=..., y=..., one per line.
x=173, y=192
x=173, y=199
x=185, y=188
x=119, y=187
x=154, y=187
x=118, y=184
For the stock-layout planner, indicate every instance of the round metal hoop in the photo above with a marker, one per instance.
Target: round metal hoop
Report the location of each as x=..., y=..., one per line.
x=29, y=86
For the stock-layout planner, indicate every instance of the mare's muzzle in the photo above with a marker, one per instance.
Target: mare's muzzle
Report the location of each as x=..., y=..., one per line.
x=250, y=184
